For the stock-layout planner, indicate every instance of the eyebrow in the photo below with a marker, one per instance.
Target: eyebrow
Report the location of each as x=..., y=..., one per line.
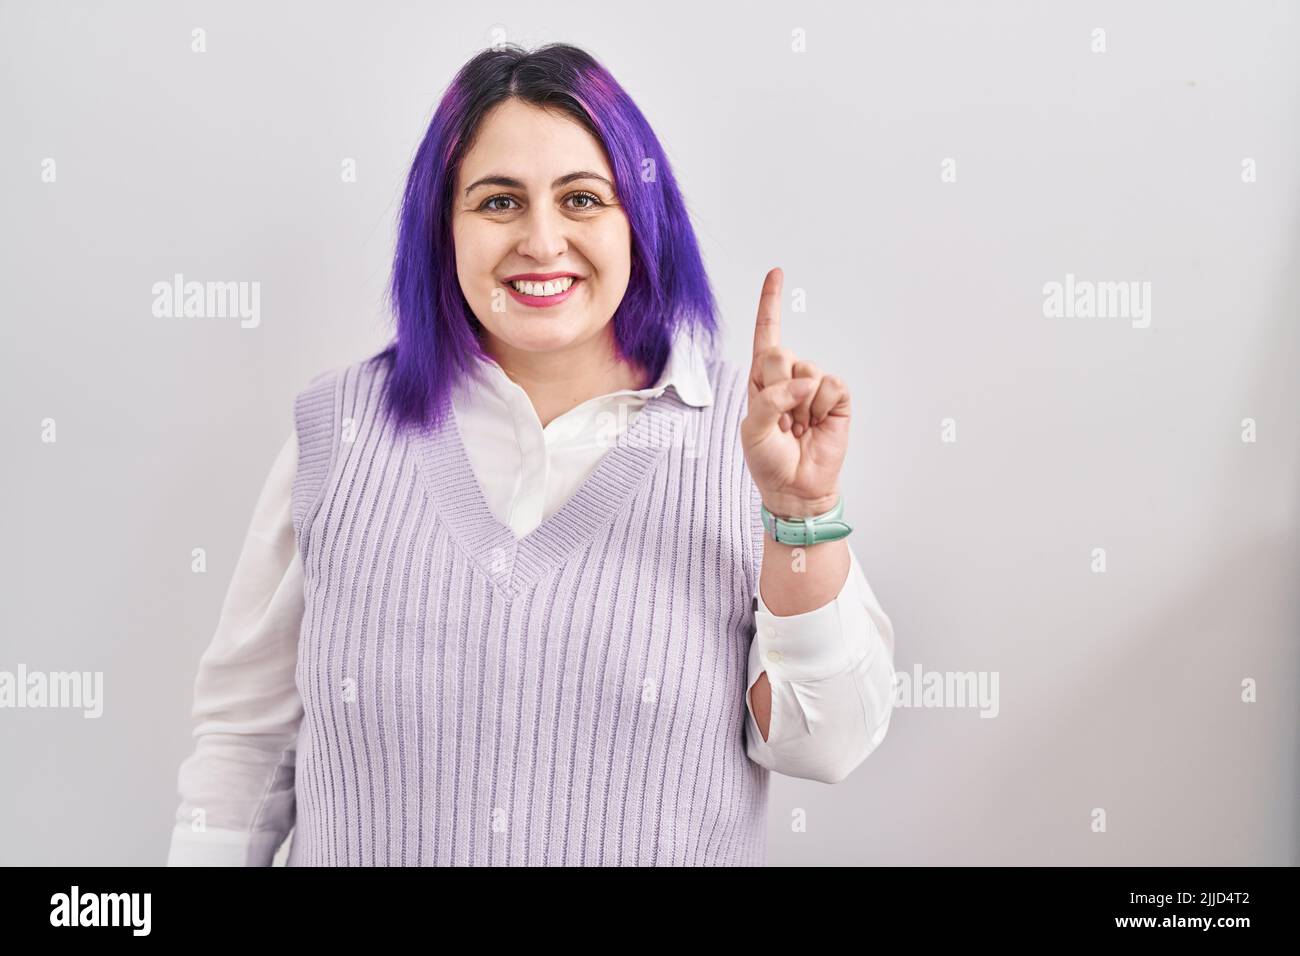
x=511, y=183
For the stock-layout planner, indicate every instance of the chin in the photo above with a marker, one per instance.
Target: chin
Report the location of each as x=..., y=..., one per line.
x=540, y=333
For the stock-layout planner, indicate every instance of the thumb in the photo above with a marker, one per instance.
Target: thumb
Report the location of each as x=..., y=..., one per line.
x=778, y=398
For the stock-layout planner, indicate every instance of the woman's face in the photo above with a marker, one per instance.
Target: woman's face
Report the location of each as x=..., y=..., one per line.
x=535, y=195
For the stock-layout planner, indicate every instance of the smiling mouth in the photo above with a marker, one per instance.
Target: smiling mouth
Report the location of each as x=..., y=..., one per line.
x=549, y=293
x=539, y=289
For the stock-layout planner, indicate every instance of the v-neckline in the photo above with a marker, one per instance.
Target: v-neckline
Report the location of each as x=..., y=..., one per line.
x=514, y=564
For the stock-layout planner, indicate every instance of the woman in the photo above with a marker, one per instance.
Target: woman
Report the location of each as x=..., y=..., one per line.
x=500, y=602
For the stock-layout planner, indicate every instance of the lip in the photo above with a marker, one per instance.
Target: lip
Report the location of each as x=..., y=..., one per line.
x=539, y=276
x=541, y=301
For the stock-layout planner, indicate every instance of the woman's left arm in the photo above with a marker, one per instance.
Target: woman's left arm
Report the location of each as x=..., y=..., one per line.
x=821, y=683
x=795, y=435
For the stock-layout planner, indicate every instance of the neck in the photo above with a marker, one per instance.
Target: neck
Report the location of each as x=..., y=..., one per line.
x=561, y=379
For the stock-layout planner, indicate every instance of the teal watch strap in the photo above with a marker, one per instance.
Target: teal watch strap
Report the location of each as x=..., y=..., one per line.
x=814, y=529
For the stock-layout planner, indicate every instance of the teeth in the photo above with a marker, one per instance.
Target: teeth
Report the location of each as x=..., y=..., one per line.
x=553, y=287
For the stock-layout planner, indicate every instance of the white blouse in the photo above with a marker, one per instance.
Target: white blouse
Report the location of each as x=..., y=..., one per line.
x=830, y=669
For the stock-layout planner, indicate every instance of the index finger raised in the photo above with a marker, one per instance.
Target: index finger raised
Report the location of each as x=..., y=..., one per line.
x=767, y=325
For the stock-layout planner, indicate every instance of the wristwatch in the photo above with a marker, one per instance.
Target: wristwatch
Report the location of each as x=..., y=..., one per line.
x=814, y=529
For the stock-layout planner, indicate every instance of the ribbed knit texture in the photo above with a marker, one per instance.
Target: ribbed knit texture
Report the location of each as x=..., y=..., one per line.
x=572, y=697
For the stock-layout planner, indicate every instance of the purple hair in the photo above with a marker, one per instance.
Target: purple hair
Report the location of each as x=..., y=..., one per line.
x=438, y=336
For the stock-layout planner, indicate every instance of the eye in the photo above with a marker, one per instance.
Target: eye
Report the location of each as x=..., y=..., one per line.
x=595, y=200
x=486, y=207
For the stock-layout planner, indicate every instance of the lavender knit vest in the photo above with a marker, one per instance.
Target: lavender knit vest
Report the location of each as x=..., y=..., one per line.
x=574, y=697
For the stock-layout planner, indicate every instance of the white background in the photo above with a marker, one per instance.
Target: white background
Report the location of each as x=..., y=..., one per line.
x=1119, y=691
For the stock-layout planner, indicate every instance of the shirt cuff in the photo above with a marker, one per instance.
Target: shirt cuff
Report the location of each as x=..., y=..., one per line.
x=217, y=847
x=816, y=644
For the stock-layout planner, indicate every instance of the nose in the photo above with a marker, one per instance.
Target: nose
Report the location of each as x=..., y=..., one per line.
x=543, y=238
